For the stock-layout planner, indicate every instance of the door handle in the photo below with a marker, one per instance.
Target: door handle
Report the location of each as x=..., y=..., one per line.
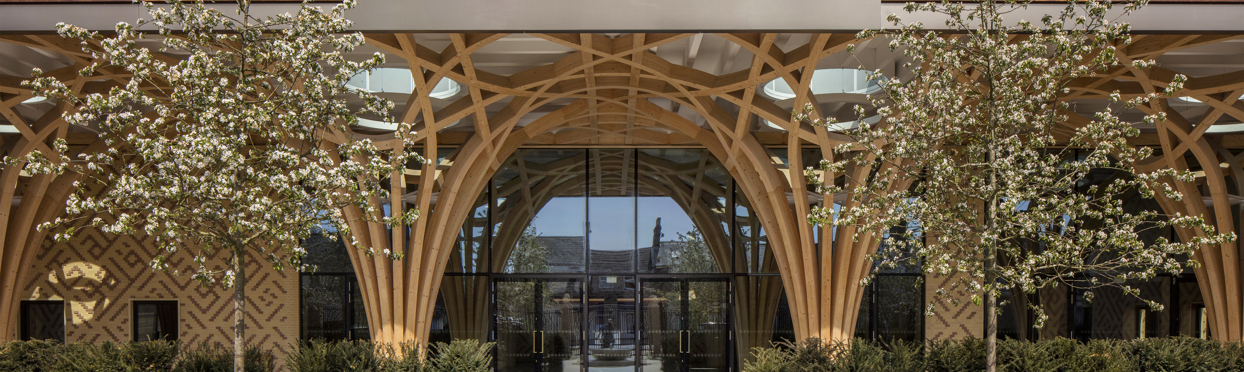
x=537, y=340
x=684, y=346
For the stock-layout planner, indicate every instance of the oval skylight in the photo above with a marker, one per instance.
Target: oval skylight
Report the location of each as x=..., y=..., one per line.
x=399, y=80
x=827, y=81
x=1225, y=128
x=839, y=126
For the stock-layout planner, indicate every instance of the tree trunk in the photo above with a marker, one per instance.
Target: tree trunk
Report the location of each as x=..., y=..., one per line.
x=239, y=312
x=991, y=328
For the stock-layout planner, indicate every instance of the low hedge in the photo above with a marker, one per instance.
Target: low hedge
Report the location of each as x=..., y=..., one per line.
x=309, y=356
x=147, y=356
x=361, y=356
x=1057, y=355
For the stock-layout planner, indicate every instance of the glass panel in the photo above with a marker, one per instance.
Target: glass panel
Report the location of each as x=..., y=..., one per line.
x=783, y=323
x=891, y=308
x=685, y=324
x=761, y=312
x=464, y=303
x=1081, y=316
x=43, y=320
x=516, y=326
x=612, y=208
x=324, y=309
x=440, y=330
x=563, y=319
x=752, y=253
x=358, y=313
x=326, y=255
x=682, y=196
x=469, y=249
x=538, y=325
x=899, y=312
x=863, y=323
x=541, y=212
x=611, y=323
x=1013, y=315
x=155, y=320
x=709, y=326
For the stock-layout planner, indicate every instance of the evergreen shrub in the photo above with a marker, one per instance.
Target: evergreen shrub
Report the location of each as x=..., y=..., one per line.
x=1176, y=354
x=28, y=356
x=460, y=356
x=206, y=357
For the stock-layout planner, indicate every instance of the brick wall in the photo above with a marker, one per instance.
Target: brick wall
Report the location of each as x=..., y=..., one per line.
x=949, y=321
x=99, y=275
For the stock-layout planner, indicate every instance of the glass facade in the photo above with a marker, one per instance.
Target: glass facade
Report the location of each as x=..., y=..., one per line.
x=620, y=259
x=589, y=251
x=331, y=305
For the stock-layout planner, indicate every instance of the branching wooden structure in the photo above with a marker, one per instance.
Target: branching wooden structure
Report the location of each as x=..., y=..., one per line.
x=614, y=90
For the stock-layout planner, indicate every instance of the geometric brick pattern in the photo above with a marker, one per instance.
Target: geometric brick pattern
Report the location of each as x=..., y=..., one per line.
x=1054, y=302
x=99, y=276
x=951, y=322
x=1114, y=312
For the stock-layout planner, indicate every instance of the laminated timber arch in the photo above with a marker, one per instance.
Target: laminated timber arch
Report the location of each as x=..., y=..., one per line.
x=1185, y=144
x=618, y=76
x=614, y=83
x=27, y=201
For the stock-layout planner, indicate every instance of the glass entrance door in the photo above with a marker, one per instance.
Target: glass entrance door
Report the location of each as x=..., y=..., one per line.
x=611, y=324
x=685, y=325
x=538, y=324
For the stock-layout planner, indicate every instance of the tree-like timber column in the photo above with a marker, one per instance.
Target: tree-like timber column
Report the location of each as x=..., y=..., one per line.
x=823, y=291
x=31, y=200
x=233, y=139
x=1219, y=272
x=1186, y=144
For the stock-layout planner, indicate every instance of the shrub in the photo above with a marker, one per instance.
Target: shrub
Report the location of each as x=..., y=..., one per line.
x=905, y=356
x=815, y=355
x=408, y=358
x=28, y=356
x=956, y=356
x=86, y=357
x=325, y=356
x=215, y=358
x=461, y=356
x=1022, y=356
x=151, y=356
x=768, y=359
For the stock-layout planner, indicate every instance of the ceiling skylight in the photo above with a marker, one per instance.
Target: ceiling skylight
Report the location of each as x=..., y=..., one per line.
x=827, y=81
x=399, y=80
x=839, y=126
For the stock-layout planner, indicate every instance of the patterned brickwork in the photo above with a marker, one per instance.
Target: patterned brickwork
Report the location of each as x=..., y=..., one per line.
x=1115, y=313
x=950, y=321
x=99, y=275
x=1054, y=302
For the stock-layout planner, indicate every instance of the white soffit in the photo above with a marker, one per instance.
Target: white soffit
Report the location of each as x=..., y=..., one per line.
x=1151, y=18
x=516, y=15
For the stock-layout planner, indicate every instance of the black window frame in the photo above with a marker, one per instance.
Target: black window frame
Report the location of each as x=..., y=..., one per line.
x=176, y=315
x=23, y=318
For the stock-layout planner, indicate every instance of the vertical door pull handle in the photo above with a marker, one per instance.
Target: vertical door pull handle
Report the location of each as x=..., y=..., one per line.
x=537, y=342
x=684, y=345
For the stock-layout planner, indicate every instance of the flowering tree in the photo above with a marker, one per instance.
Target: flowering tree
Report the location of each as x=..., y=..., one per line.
x=233, y=138
x=996, y=199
